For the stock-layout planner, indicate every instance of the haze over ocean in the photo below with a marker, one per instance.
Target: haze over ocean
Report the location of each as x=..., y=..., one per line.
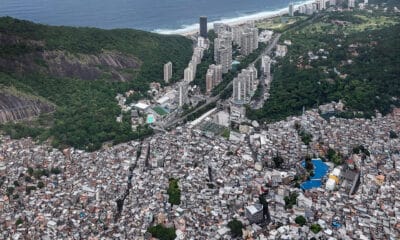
x=164, y=16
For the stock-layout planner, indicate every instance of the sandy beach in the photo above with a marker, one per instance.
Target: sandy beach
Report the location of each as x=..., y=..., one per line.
x=194, y=29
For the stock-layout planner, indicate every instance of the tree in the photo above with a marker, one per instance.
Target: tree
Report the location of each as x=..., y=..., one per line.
x=315, y=228
x=174, y=192
x=290, y=200
x=162, y=233
x=18, y=222
x=278, y=160
x=236, y=227
x=308, y=163
x=393, y=134
x=40, y=184
x=300, y=220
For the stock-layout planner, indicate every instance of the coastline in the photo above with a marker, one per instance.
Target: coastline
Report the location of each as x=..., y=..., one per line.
x=194, y=28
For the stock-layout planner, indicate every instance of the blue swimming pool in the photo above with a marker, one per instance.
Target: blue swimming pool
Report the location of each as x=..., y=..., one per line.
x=320, y=171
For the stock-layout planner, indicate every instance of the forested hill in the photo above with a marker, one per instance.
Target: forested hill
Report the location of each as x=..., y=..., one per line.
x=89, y=53
x=350, y=56
x=78, y=72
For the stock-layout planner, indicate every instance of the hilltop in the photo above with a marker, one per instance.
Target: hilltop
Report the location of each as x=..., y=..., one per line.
x=80, y=71
x=351, y=56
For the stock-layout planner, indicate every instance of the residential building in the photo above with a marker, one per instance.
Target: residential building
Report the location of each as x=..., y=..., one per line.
x=291, y=10
x=167, y=72
x=223, y=51
x=351, y=3
x=254, y=213
x=183, y=93
x=281, y=50
x=213, y=77
x=266, y=64
x=203, y=26
x=188, y=74
x=209, y=80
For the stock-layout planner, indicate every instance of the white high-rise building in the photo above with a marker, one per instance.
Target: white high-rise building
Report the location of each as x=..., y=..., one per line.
x=351, y=3
x=193, y=66
x=218, y=73
x=244, y=85
x=167, y=71
x=291, y=9
x=202, y=43
x=223, y=51
x=248, y=40
x=253, y=78
x=183, y=93
x=188, y=74
x=266, y=65
x=213, y=77
x=240, y=89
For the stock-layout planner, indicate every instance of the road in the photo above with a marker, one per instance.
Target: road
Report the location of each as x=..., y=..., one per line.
x=217, y=97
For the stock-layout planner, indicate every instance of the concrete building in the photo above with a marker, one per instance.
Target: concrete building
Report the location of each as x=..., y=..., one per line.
x=266, y=64
x=167, y=71
x=223, y=51
x=188, y=74
x=202, y=43
x=183, y=93
x=241, y=91
x=281, y=50
x=291, y=10
x=213, y=77
x=351, y=3
x=254, y=213
x=237, y=112
x=203, y=26
x=209, y=80
x=248, y=41
x=220, y=28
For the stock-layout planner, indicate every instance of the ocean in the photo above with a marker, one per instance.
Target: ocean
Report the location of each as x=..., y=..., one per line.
x=162, y=16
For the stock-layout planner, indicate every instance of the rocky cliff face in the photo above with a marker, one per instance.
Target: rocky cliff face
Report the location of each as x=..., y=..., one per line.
x=14, y=108
x=28, y=56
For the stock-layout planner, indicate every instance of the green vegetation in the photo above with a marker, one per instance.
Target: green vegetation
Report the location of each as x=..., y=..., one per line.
x=159, y=110
x=281, y=23
x=86, y=111
x=236, y=227
x=305, y=136
x=300, y=220
x=19, y=222
x=361, y=149
x=162, y=233
x=174, y=192
x=315, y=228
x=393, y=134
x=278, y=161
x=200, y=112
x=29, y=189
x=206, y=61
x=308, y=164
x=40, y=185
x=357, y=64
x=10, y=191
x=290, y=200
x=334, y=157
x=226, y=133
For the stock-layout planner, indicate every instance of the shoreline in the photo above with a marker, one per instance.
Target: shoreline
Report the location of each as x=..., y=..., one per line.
x=193, y=29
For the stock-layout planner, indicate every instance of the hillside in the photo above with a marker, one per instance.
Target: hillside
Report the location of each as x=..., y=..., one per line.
x=80, y=71
x=348, y=56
